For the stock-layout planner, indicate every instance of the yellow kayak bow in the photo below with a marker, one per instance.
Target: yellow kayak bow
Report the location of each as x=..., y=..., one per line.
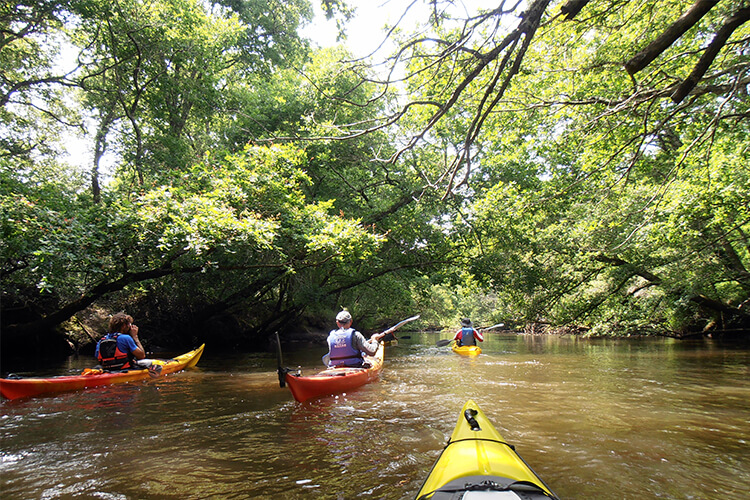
x=477, y=463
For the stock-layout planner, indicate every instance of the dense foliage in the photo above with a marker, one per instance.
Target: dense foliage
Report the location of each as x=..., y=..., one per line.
x=595, y=187
x=239, y=182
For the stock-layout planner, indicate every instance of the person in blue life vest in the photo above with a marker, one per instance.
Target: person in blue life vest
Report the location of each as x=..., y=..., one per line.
x=121, y=349
x=467, y=335
x=346, y=346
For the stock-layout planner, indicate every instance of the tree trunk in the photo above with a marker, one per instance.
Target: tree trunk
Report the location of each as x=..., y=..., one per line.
x=100, y=147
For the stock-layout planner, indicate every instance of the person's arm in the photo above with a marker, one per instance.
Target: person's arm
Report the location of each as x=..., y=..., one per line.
x=457, y=336
x=138, y=352
x=369, y=347
x=478, y=335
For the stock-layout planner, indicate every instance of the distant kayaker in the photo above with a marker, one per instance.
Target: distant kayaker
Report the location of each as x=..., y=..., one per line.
x=346, y=346
x=121, y=349
x=467, y=335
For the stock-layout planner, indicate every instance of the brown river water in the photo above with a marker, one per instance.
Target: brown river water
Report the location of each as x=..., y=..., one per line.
x=596, y=419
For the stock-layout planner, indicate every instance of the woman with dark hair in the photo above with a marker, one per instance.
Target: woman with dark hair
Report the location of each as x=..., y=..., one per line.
x=121, y=348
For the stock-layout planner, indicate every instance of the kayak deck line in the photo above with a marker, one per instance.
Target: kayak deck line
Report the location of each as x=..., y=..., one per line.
x=482, y=439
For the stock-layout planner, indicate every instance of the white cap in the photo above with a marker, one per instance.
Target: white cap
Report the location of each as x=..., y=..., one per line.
x=343, y=317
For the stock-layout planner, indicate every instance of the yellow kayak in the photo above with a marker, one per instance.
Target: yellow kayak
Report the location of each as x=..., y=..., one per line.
x=477, y=464
x=467, y=350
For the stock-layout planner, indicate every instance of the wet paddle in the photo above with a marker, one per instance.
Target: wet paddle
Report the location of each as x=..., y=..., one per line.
x=281, y=370
x=389, y=332
x=443, y=342
x=491, y=327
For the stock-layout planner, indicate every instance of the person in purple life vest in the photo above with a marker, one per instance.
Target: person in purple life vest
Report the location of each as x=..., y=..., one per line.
x=121, y=348
x=346, y=346
x=467, y=335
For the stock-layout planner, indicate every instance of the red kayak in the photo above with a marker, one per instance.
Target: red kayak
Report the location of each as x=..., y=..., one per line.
x=12, y=388
x=334, y=380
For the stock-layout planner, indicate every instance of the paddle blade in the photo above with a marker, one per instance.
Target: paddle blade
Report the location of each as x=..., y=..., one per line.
x=401, y=323
x=443, y=343
x=279, y=359
x=154, y=370
x=499, y=325
x=280, y=371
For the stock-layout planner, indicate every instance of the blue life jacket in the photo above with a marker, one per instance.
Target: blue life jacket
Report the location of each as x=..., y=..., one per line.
x=467, y=336
x=341, y=350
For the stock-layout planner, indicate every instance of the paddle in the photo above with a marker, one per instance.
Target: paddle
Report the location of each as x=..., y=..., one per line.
x=281, y=371
x=491, y=327
x=387, y=332
x=400, y=324
x=443, y=342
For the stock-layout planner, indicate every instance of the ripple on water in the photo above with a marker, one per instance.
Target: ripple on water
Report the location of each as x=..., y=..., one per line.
x=585, y=415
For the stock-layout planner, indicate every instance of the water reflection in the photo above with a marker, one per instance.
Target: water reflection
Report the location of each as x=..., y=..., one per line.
x=596, y=419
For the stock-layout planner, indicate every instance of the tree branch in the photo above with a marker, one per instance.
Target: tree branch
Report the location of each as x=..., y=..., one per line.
x=699, y=9
x=616, y=261
x=572, y=8
x=731, y=24
x=718, y=306
x=68, y=310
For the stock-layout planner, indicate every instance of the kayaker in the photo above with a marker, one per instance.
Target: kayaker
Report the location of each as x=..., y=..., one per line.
x=467, y=335
x=346, y=346
x=121, y=349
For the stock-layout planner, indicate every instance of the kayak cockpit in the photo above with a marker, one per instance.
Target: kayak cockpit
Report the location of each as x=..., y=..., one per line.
x=486, y=488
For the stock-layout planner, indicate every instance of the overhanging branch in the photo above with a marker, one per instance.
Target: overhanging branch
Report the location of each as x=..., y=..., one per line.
x=642, y=59
x=734, y=22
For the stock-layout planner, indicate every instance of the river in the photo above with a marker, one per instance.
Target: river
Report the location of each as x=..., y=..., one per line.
x=596, y=419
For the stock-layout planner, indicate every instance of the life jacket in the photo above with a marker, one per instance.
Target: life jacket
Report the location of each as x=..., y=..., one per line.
x=341, y=351
x=110, y=355
x=467, y=336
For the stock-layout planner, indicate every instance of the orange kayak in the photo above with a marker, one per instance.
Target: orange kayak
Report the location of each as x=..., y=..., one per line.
x=334, y=380
x=467, y=350
x=12, y=388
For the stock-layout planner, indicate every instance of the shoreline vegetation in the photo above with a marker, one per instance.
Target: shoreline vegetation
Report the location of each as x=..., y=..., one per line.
x=82, y=335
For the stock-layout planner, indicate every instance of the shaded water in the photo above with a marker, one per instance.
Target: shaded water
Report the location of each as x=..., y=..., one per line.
x=620, y=419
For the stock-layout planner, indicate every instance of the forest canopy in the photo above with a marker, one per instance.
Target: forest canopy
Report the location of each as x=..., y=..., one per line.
x=579, y=165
